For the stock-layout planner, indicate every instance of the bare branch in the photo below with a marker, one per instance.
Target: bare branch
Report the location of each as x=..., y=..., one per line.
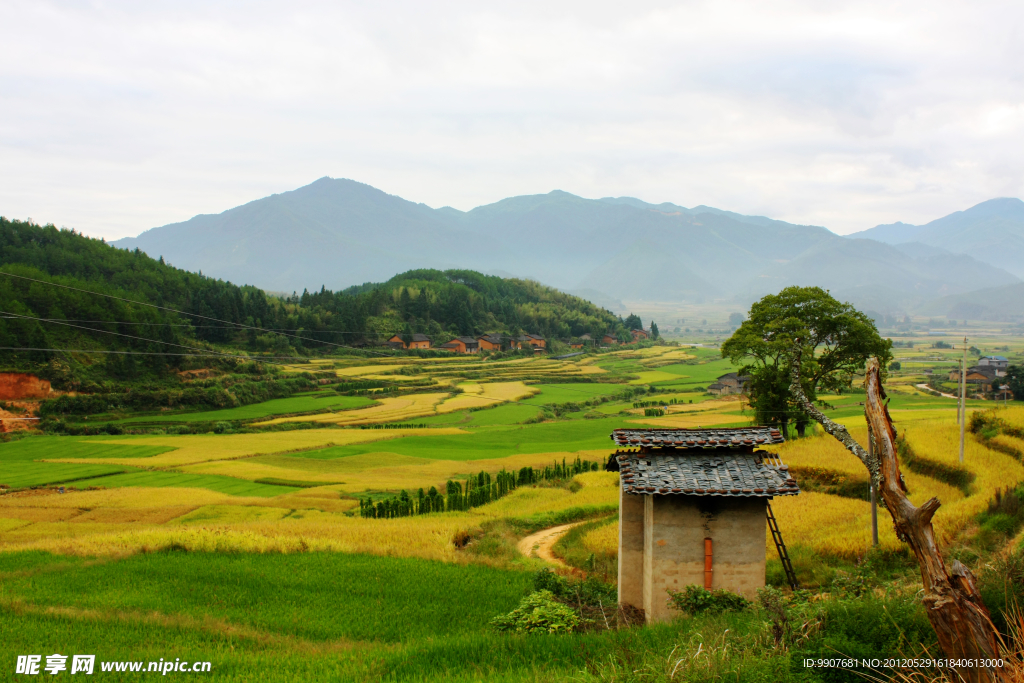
x=833, y=428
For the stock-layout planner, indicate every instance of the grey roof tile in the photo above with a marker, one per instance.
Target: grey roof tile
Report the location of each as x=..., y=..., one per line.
x=681, y=439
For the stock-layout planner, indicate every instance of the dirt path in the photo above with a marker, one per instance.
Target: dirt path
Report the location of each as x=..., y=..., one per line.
x=540, y=543
x=925, y=387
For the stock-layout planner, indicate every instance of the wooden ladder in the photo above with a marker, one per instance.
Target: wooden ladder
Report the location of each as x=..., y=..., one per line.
x=787, y=566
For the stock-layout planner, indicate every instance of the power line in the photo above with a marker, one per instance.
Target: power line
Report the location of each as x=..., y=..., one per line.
x=119, y=334
x=203, y=327
x=149, y=353
x=174, y=310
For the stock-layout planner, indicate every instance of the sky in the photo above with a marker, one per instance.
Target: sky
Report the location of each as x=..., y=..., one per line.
x=116, y=117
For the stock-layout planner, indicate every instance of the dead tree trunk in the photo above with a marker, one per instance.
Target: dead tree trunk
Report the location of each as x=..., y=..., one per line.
x=951, y=599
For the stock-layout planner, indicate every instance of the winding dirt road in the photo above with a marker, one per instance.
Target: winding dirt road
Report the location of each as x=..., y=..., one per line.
x=540, y=543
x=925, y=387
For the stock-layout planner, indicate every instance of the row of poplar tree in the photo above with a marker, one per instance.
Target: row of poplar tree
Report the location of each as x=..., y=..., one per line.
x=478, y=490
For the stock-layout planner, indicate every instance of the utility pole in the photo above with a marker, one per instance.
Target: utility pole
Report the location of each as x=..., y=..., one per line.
x=959, y=380
x=963, y=400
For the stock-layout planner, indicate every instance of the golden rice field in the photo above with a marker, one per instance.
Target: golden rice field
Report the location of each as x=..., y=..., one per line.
x=372, y=471
x=485, y=395
x=197, y=448
x=129, y=520
x=837, y=526
x=387, y=410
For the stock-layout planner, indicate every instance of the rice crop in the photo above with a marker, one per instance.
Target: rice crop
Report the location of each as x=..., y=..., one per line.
x=494, y=442
x=230, y=514
x=78, y=447
x=394, y=472
x=604, y=540
x=426, y=537
x=195, y=448
x=387, y=410
x=485, y=395
x=385, y=599
x=577, y=391
x=528, y=502
x=837, y=526
x=277, y=406
x=229, y=485
x=939, y=441
x=20, y=474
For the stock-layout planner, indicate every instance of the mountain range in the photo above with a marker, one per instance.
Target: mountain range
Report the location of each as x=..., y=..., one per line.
x=992, y=232
x=337, y=233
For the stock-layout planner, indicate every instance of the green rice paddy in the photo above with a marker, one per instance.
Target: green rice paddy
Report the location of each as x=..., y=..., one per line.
x=277, y=406
x=212, y=482
x=489, y=442
x=303, y=617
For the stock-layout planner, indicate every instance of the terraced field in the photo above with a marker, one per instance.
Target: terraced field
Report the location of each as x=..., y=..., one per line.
x=202, y=524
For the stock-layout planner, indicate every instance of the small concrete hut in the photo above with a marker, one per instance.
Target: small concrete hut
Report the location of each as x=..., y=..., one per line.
x=693, y=505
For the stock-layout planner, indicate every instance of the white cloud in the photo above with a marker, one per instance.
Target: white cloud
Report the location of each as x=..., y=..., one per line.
x=116, y=117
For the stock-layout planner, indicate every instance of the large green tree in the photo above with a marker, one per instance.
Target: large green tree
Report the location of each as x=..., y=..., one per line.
x=1015, y=380
x=836, y=340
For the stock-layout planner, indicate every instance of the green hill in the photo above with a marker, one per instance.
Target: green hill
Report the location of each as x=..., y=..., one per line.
x=62, y=290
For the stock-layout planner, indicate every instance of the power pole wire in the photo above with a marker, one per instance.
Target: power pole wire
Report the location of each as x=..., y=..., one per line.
x=963, y=400
x=174, y=310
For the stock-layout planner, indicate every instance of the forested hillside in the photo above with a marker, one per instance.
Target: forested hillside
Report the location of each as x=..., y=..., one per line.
x=458, y=302
x=61, y=290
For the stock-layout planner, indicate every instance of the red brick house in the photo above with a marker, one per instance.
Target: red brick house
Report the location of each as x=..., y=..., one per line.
x=489, y=342
x=462, y=345
x=534, y=340
x=419, y=341
x=639, y=335
x=610, y=340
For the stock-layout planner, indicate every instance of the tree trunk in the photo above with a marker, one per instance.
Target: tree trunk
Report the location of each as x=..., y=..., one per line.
x=951, y=599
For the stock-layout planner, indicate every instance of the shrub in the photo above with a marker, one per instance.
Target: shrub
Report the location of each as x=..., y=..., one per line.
x=539, y=612
x=699, y=600
x=590, y=592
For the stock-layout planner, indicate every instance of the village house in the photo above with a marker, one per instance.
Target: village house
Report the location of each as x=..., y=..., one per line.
x=730, y=383
x=534, y=340
x=999, y=363
x=610, y=340
x=461, y=345
x=984, y=377
x=419, y=341
x=639, y=335
x=489, y=342
x=693, y=510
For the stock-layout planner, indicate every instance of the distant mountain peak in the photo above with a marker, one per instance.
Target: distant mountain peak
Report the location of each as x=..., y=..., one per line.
x=992, y=231
x=340, y=232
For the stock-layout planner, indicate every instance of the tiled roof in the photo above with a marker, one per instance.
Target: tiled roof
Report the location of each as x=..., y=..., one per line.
x=703, y=474
x=733, y=375
x=735, y=437
x=492, y=338
x=420, y=337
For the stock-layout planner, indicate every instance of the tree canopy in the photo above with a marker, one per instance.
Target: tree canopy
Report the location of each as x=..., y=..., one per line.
x=1015, y=380
x=836, y=340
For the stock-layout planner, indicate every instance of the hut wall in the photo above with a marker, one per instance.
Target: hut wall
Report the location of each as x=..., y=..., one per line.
x=674, y=529
x=631, y=549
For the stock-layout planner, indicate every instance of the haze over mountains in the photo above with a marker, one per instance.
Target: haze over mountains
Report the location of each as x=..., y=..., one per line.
x=992, y=231
x=338, y=232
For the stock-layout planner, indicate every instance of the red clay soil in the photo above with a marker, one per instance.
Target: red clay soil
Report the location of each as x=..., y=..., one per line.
x=19, y=385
